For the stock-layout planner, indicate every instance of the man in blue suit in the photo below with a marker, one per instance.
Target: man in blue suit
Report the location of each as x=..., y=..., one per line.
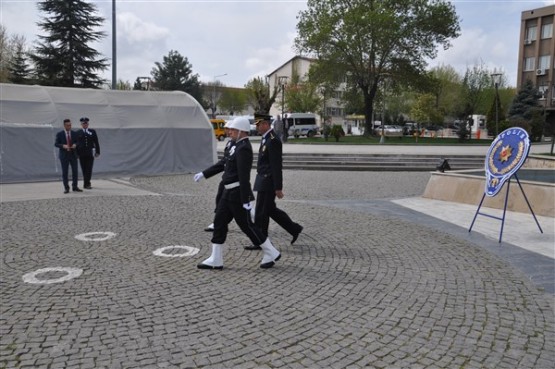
x=66, y=141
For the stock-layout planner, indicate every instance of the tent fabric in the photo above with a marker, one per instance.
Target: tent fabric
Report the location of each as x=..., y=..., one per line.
x=140, y=132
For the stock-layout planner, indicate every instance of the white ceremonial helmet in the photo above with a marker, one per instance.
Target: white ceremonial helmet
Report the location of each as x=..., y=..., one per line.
x=241, y=124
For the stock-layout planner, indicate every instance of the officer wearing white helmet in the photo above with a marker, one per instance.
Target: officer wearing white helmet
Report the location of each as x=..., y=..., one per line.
x=215, y=169
x=235, y=202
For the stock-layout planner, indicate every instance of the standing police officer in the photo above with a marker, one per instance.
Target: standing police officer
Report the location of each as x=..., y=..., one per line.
x=235, y=201
x=87, y=149
x=269, y=182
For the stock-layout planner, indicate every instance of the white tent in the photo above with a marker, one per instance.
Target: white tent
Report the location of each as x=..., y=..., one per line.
x=140, y=132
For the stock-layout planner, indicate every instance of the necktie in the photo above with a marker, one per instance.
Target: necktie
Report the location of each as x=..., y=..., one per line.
x=69, y=139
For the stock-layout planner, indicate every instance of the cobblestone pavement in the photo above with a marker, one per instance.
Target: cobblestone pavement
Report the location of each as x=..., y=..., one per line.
x=356, y=291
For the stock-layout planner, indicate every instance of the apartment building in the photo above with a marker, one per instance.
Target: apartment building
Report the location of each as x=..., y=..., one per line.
x=300, y=65
x=537, y=55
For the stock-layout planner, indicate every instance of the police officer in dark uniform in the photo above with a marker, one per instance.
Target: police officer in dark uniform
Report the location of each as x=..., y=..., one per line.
x=235, y=201
x=269, y=182
x=215, y=169
x=88, y=149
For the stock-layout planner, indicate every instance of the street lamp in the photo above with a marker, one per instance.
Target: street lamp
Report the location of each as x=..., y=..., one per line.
x=496, y=77
x=382, y=138
x=282, y=80
x=214, y=94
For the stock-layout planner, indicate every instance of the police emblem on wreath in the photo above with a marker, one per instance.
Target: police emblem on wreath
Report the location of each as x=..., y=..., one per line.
x=505, y=156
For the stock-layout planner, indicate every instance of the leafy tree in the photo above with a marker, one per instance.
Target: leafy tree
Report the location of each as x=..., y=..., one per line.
x=366, y=40
x=123, y=85
x=447, y=90
x=233, y=101
x=259, y=95
x=476, y=85
x=301, y=96
x=424, y=110
x=63, y=58
x=176, y=73
x=18, y=68
x=9, y=46
x=212, y=95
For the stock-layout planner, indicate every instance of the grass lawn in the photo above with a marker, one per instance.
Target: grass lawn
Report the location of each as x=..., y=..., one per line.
x=405, y=140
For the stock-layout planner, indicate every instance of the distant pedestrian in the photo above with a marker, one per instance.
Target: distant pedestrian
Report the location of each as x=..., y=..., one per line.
x=235, y=201
x=269, y=182
x=88, y=149
x=278, y=128
x=66, y=141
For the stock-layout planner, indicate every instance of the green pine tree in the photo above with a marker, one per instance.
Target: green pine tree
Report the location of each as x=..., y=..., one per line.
x=18, y=67
x=176, y=73
x=63, y=57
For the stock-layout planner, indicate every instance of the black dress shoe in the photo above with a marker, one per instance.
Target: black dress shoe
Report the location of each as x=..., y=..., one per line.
x=66, y=190
x=270, y=263
x=204, y=266
x=87, y=187
x=296, y=235
x=77, y=189
x=252, y=247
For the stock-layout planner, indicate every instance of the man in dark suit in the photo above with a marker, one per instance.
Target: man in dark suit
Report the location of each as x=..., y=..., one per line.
x=66, y=142
x=269, y=182
x=87, y=149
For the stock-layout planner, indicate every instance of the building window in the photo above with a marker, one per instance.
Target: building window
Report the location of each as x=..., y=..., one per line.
x=543, y=90
x=547, y=30
x=544, y=62
x=529, y=63
x=531, y=33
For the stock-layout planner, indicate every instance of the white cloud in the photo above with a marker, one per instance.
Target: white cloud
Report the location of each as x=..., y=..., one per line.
x=135, y=30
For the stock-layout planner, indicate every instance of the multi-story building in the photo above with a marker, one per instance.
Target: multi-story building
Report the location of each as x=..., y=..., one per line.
x=300, y=65
x=537, y=56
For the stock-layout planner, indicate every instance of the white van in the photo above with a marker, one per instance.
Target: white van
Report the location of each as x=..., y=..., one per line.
x=302, y=124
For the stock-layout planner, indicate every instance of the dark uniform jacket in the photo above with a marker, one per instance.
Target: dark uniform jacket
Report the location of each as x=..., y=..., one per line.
x=269, y=175
x=61, y=140
x=220, y=165
x=238, y=169
x=86, y=142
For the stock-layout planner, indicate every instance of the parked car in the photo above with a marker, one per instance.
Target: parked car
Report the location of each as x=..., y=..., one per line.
x=389, y=131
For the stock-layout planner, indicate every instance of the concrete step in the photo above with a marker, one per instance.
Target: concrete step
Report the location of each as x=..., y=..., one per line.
x=377, y=162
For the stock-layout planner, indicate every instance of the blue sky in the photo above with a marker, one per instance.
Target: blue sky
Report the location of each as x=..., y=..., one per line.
x=246, y=39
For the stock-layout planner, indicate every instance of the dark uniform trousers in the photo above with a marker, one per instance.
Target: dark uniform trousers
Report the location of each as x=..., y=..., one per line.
x=86, y=167
x=266, y=208
x=229, y=208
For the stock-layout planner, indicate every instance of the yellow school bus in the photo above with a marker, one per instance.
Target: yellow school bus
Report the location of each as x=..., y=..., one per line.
x=218, y=126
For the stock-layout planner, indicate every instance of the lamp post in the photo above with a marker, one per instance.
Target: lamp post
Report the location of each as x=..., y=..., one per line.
x=114, y=51
x=214, y=94
x=382, y=138
x=282, y=80
x=496, y=77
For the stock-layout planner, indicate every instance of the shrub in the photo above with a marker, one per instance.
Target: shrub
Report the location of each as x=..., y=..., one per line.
x=337, y=132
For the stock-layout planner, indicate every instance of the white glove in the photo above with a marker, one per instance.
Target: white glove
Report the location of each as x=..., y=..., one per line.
x=198, y=176
x=247, y=206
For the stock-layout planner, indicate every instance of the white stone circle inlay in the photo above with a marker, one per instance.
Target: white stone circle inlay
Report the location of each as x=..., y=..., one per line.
x=70, y=274
x=95, y=236
x=188, y=251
